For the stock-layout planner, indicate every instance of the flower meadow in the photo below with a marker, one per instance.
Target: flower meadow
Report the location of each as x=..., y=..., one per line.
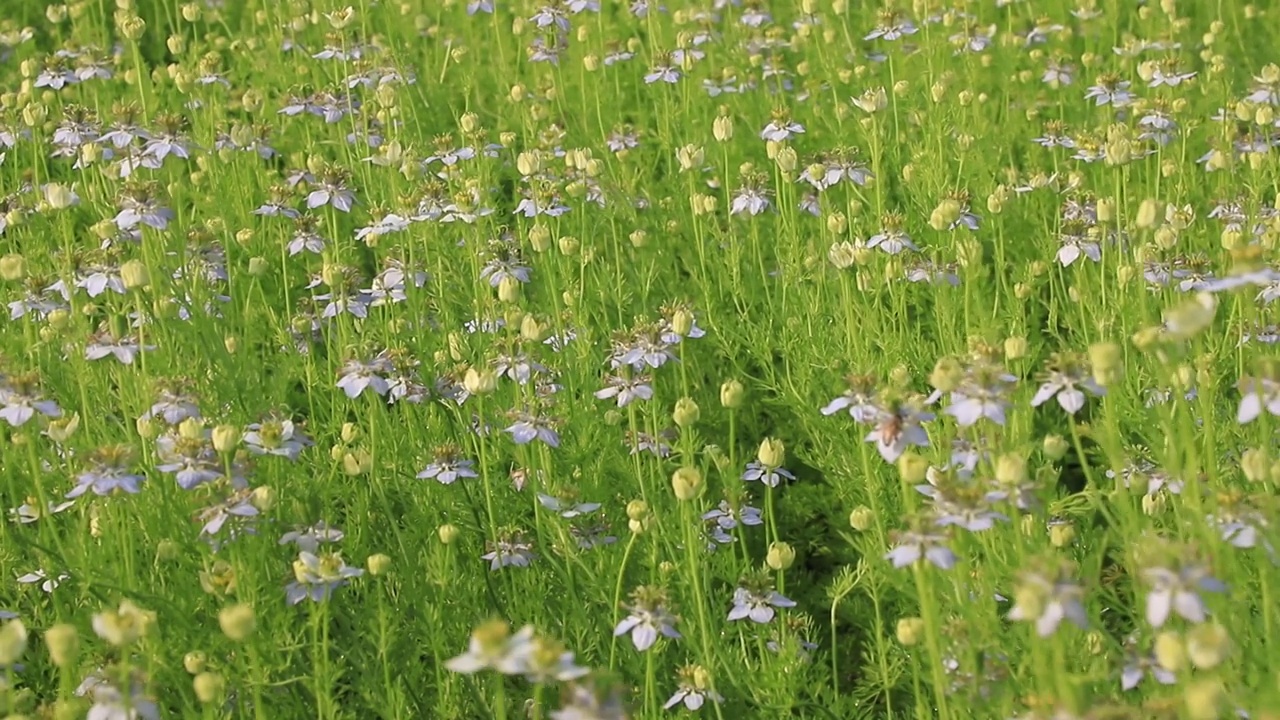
x=603, y=359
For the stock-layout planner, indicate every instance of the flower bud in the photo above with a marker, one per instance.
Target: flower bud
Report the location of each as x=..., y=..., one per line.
x=722, y=128
x=357, y=462
x=1011, y=469
x=529, y=163
x=946, y=374
x=731, y=394
x=686, y=412
x=786, y=160
x=780, y=556
x=1055, y=447
x=1015, y=348
x=1148, y=212
x=1255, y=465
x=60, y=196
x=772, y=453
x=1061, y=534
x=237, y=622
x=861, y=518
x=508, y=289
x=1204, y=699
x=910, y=630
x=191, y=428
x=378, y=564
x=690, y=157
x=194, y=662
x=134, y=274
x=13, y=642
x=687, y=483
x=479, y=382
x=637, y=510
x=447, y=533
x=226, y=438
x=947, y=212
x=209, y=687
x=1106, y=360
x=349, y=433
x=13, y=267
x=63, y=641
x=1207, y=645
x=912, y=467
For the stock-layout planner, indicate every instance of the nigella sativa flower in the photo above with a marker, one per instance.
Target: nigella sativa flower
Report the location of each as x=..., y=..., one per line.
x=549, y=661
x=108, y=473
x=528, y=427
x=357, y=376
x=859, y=400
x=648, y=618
x=308, y=539
x=1047, y=600
x=22, y=400
x=236, y=507
x=493, y=647
x=447, y=466
x=317, y=576
x=511, y=549
x=693, y=689
x=1178, y=591
x=983, y=393
x=565, y=507
x=192, y=461
x=625, y=390
x=757, y=600
x=1255, y=395
x=770, y=476
x=274, y=436
x=1067, y=379
x=897, y=428
x=911, y=546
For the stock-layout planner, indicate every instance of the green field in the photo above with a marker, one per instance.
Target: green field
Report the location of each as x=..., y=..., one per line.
x=601, y=359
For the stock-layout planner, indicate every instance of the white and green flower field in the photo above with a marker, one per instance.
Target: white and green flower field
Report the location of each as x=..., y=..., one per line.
x=604, y=359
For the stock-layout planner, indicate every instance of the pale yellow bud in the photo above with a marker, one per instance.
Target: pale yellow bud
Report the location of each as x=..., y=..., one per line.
x=63, y=641
x=378, y=564
x=780, y=556
x=13, y=643
x=226, y=438
x=237, y=622
x=479, y=381
x=910, y=631
x=447, y=533
x=861, y=518
x=1011, y=469
x=731, y=394
x=209, y=687
x=1015, y=348
x=1208, y=645
x=772, y=453
x=13, y=267
x=134, y=275
x=194, y=662
x=687, y=483
x=947, y=212
x=1255, y=465
x=690, y=157
x=912, y=467
x=1055, y=447
x=722, y=128
x=686, y=412
x=1204, y=698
